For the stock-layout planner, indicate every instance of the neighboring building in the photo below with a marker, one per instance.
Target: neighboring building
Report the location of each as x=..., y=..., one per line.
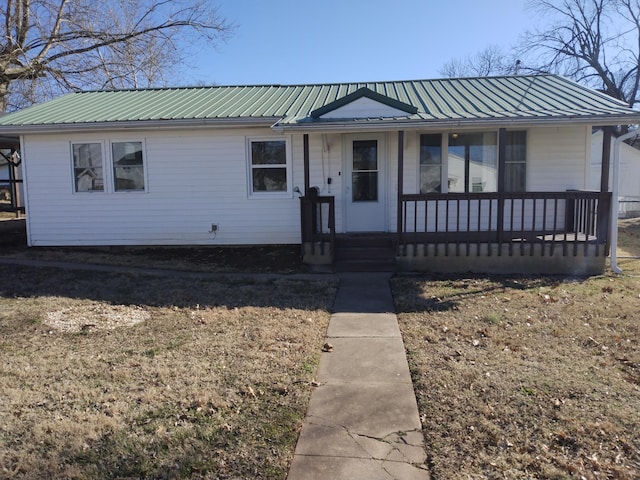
x=11, y=189
x=464, y=174
x=629, y=184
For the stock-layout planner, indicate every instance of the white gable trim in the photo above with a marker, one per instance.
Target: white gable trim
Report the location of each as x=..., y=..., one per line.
x=364, y=107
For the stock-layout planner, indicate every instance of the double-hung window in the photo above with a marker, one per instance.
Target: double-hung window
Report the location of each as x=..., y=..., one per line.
x=515, y=166
x=430, y=163
x=88, y=167
x=269, y=167
x=128, y=166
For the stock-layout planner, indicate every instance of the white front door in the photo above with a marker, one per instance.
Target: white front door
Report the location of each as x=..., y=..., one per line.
x=365, y=193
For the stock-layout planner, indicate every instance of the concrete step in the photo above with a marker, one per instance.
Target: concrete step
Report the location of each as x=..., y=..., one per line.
x=365, y=266
x=364, y=241
x=365, y=253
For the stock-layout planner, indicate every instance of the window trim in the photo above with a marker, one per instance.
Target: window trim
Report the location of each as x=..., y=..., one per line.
x=288, y=193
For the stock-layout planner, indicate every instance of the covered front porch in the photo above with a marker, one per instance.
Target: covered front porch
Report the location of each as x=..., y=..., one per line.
x=552, y=232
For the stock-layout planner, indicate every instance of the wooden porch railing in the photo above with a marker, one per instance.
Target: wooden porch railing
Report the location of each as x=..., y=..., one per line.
x=318, y=222
x=10, y=196
x=10, y=200
x=564, y=220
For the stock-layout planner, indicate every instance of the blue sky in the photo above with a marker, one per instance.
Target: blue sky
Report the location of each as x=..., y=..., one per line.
x=321, y=41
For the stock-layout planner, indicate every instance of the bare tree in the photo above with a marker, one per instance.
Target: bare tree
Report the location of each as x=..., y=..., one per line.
x=53, y=46
x=595, y=42
x=491, y=61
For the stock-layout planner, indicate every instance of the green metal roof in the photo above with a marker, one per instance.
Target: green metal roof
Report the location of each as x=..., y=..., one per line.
x=508, y=99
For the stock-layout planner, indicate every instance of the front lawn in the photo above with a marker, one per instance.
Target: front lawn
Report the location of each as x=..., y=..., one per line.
x=528, y=377
x=131, y=376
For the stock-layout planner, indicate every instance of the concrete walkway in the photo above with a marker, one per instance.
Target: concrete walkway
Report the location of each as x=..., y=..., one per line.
x=362, y=421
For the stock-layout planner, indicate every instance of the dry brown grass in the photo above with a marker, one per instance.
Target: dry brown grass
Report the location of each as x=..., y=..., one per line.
x=129, y=376
x=520, y=377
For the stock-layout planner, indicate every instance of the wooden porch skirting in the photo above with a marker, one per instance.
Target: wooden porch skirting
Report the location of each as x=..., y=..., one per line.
x=568, y=258
x=317, y=253
x=505, y=258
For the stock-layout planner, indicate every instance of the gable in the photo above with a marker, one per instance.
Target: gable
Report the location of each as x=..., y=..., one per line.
x=364, y=103
x=364, y=108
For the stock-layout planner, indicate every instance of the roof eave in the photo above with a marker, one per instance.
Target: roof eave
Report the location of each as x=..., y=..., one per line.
x=139, y=124
x=412, y=124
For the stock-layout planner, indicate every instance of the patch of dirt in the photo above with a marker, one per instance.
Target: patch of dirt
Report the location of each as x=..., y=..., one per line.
x=95, y=316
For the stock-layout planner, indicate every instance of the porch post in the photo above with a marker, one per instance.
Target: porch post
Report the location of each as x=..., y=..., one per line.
x=400, y=184
x=606, y=159
x=502, y=159
x=305, y=141
x=604, y=207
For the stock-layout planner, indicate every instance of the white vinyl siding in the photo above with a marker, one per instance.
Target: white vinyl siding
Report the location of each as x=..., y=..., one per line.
x=195, y=178
x=557, y=158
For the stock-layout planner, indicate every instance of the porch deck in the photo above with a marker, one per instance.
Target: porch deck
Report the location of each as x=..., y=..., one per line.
x=526, y=232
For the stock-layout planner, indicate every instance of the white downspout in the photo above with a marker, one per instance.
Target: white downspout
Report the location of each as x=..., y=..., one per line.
x=614, y=198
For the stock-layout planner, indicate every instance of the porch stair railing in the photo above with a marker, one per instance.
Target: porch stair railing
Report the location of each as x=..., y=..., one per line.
x=568, y=220
x=318, y=223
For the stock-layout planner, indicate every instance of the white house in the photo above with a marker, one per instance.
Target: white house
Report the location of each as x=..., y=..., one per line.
x=461, y=174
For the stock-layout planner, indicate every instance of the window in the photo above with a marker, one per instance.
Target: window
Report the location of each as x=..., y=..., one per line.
x=122, y=171
x=431, y=163
x=269, y=166
x=473, y=162
x=88, y=169
x=364, y=174
x=128, y=166
x=515, y=162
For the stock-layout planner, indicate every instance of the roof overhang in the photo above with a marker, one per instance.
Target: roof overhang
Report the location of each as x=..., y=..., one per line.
x=448, y=124
x=281, y=125
x=251, y=122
